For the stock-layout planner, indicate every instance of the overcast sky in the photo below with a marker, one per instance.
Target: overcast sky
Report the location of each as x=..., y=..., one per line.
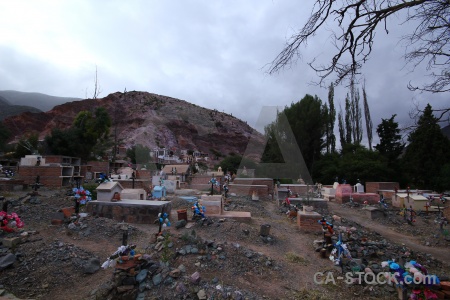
x=211, y=53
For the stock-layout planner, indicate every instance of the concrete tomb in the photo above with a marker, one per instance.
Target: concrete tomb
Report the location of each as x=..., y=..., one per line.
x=134, y=194
x=106, y=190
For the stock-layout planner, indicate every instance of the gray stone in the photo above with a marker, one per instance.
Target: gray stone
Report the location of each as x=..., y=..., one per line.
x=168, y=280
x=157, y=279
x=181, y=288
x=195, y=278
x=201, y=295
x=182, y=268
x=142, y=275
x=91, y=266
x=180, y=224
x=7, y=260
x=124, y=288
x=237, y=295
x=194, y=250
x=129, y=281
x=175, y=273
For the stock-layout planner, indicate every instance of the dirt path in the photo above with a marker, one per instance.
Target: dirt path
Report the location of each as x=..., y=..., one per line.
x=391, y=235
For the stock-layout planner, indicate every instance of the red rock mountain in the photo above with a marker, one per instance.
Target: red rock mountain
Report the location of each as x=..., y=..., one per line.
x=151, y=120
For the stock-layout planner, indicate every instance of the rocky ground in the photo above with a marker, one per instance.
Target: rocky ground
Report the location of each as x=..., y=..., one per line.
x=221, y=259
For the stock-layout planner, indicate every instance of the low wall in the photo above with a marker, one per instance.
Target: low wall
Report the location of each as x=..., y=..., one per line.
x=247, y=190
x=316, y=202
x=138, y=184
x=343, y=192
x=212, y=204
x=12, y=185
x=256, y=181
x=309, y=221
x=374, y=213
x=300, y=189
x=387, y=194
x=374, y=187
x=370, y=198
x=203, y=179
x=129, y=211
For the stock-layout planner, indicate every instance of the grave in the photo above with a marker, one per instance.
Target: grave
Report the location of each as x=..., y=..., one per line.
x=309, y=220
x=129, y=211
x=366, y=198
x=373, y=212
x=417, y=202
x=358, y=188
x=249, y=189
x=314, y=202
x=343, y=193
x=214, y=208
x=133, y=194
x=329, y=193
x=106, y=190
x=170, y=185
x=159, y=192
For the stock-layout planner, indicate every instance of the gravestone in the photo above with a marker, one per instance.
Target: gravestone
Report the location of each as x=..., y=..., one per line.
x=359, y=188
x=170, y=185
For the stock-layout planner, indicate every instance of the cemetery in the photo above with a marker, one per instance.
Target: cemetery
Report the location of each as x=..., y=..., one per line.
x=342, y=228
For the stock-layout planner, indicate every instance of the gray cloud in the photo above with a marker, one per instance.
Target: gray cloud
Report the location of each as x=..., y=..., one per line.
x=213, y=54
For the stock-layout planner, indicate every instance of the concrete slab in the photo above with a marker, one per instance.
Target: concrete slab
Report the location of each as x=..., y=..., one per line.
x=129, y=211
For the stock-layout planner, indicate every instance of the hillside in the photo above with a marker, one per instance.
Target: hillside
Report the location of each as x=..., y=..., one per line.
x=150, y=120
x=40, y=101
x=7, y=109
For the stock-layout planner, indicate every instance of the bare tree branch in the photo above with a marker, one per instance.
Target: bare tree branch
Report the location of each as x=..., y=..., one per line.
x=357, y=22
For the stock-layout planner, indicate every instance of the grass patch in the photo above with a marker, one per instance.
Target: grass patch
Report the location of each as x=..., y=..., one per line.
x=292, y=257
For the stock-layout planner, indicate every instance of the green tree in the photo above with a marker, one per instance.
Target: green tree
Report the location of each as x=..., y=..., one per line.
x=428, y=150
x=307, y=121
x=348, y=121
x=4, y=136
x=308, y=125
x=342, y=136
x=88, y=135
x=368, y=119
x=27, y=145
x=64, y=142
x=331, y=119
x=390, y=145
x=231, y=163
x=355, y=114
x=352, y=163
x=358, y=162
x=272, y=152
x=139, y=154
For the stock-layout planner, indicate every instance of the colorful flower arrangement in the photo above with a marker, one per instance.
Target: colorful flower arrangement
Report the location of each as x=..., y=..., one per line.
x=413, y=274
x=82, y=196
x=9, y=222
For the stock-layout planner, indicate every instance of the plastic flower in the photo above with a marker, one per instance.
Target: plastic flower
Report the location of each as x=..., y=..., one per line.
x=8, y=222
x=83, y=196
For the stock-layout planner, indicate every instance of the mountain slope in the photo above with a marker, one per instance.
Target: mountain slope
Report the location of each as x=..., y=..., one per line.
x=7, y=109
x=150, y=120
x=38, y=100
